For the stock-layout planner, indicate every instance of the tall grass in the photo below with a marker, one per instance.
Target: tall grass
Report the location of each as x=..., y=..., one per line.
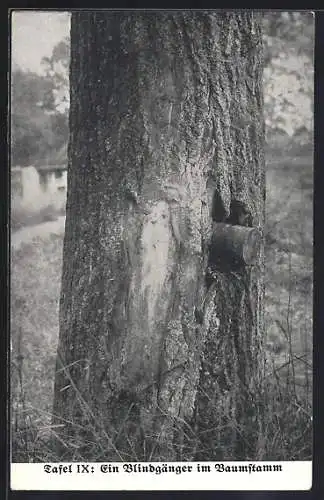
x=280, y=416
x=280, y=405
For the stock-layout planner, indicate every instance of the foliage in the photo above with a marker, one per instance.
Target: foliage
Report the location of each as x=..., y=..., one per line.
x=31, y=130
x=288, y=74
x=37, y=131
x=40, y=103
x=57, y=69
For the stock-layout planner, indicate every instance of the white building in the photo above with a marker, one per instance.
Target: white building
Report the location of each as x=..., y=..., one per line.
x=35, y=187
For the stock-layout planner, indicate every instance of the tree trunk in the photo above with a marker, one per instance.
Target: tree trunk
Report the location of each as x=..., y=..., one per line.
x=160, y=333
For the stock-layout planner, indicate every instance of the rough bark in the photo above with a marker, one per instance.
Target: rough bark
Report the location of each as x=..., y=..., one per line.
x=166, y=138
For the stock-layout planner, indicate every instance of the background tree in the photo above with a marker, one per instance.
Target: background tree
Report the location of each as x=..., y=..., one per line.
x=57, y=70
x=166, y=139
x=288, y=77
x=39, y=110
x=31, y=131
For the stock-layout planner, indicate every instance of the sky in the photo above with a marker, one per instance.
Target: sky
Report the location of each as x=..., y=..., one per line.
x=34, y=35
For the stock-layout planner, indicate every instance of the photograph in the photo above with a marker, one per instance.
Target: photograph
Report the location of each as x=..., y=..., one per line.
x=161, y=236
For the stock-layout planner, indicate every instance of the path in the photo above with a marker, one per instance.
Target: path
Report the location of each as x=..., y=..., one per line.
x=27, y=234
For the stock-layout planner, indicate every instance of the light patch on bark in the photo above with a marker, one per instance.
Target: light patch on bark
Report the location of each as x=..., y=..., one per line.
x=156, y=240
x=170, y=114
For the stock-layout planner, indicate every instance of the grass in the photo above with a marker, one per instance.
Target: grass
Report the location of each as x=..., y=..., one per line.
x=280, y=405
x=35, y=284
